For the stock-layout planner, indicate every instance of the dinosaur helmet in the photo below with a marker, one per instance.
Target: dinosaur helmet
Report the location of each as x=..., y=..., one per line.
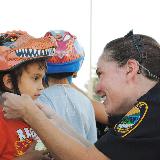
x=68, y=55
x=17, y=47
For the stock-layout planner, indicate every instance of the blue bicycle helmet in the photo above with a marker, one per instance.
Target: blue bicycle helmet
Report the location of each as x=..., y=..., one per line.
x=68, y=55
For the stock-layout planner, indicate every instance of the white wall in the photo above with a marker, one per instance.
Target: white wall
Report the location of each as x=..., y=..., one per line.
x=114, y=18
x=39, y=16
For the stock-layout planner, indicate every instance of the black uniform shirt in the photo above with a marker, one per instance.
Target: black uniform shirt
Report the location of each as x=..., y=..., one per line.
x=103, y=128
x=137, y=135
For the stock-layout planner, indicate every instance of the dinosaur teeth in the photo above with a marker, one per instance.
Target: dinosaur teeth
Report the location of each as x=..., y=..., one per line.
x=46, y=51
x=39, y=52
x=53, y=50
x=34, y=52
x=49, y=51
x=42, y=52
x=21, y=55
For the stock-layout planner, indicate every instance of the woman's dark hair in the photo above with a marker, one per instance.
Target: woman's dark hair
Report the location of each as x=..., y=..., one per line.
x=142, y=48
x=16, y=73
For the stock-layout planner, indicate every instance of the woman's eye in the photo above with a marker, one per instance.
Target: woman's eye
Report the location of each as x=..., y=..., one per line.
x=98, y=74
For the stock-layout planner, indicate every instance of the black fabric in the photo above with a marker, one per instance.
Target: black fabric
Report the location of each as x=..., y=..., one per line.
x=143, y=141
x=112, y=120
x=103, y=128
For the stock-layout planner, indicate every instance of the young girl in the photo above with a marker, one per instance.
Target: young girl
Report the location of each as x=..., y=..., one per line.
x=22, y=68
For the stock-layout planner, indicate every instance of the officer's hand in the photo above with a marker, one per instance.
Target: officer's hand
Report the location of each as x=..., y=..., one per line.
x=16, y=105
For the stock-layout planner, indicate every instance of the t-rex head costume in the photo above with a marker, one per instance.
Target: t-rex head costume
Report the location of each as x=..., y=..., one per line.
x=17, y=47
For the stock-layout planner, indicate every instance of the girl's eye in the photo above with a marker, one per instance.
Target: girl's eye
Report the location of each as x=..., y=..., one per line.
x=35, y=78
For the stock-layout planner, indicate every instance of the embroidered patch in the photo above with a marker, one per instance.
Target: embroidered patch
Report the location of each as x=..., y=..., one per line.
x=132, y=119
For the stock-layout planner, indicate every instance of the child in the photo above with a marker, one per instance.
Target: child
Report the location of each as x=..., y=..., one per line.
x=68, y=102
x=22, y=68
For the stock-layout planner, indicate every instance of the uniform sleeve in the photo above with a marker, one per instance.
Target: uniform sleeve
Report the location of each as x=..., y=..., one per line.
x=116, y=147
x=3, y=137
x=134, y=136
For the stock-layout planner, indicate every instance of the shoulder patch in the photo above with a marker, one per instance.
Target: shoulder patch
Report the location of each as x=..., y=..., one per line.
x=132, y=119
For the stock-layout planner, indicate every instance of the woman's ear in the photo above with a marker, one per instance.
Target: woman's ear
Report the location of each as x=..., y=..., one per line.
x=7, y=81
x=132, y=68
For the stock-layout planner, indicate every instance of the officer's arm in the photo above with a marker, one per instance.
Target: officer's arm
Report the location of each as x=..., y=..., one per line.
x=63, y=145
x=60, y=143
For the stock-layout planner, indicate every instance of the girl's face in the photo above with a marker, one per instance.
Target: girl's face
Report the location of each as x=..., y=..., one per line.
x=31, y=80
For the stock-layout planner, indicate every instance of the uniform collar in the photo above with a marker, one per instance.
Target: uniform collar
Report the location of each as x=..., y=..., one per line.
x=152, y=95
